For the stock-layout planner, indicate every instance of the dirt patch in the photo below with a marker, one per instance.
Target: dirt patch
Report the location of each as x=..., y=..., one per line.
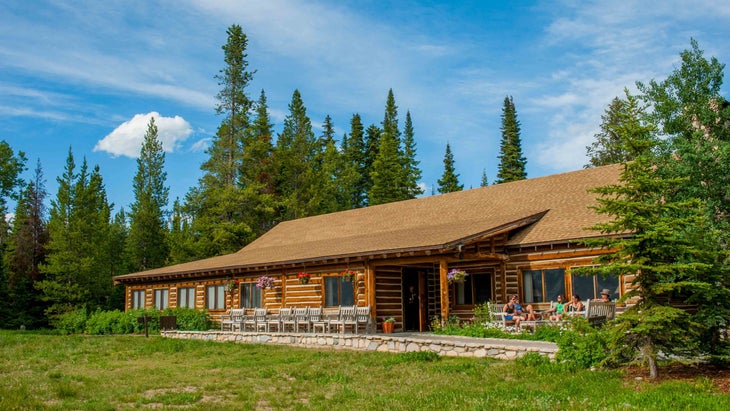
x=720, y=377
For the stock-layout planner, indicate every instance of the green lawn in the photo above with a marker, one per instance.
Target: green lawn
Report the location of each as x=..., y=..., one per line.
x=40, y=371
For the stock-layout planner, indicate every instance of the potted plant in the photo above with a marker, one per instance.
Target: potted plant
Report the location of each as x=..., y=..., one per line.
x=388, y=324
x=232, y=285
x=456, y=275
x=348, y=275
x=265, y=282
x=303, y=277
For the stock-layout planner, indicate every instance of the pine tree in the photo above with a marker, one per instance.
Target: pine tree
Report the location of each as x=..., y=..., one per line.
x=485, y=180
x=613, y=144
x=218, y=218
x=372, y=145
x=387, y=172
x=449, y=181
x=355, y=152
x=257, y=172
x=147, y=242
x=79, y=257
x=25, y=253
x=410, y=164
x=512, y=163
x=693, y=119
x=295, y=152
x=675, y=252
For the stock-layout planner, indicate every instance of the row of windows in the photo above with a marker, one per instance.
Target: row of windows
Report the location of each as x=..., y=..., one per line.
x=337, y=292
x=538, y=286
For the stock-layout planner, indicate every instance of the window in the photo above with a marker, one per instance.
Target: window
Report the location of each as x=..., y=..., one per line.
x=250, y=296
x=215, y=297
x=541, y=286
x=186, y=297
x=137, y=299
x=338, y=292
x=161, y=298
x=476, y=289
x=589, y=287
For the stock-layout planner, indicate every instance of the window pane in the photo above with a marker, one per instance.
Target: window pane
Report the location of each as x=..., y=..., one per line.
x=463, y=291
x=220, y=297
x=210, y=297
x=482, y=288
x=347, y=294
x=186, y=297
x=255, y=296
x=611, y=283
x=583, y=287
x=331, y=291
x=532, y=285
x=554, y=284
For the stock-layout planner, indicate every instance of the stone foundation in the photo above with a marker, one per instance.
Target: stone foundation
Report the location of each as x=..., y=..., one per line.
x=452, y=346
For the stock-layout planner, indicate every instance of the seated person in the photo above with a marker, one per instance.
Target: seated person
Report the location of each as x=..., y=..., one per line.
x=575, y=305
x=556, y=312
x=605, y=296
x=511, y=312
x=530, y=313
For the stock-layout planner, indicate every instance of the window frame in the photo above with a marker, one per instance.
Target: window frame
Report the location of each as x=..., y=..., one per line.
x=186, y=297
x=161, y=298
x=326, y=291
x=544, y=289
x=139, y=299
x=598, y=283
x=218, y=297
x=247, y=294
x=458, y=287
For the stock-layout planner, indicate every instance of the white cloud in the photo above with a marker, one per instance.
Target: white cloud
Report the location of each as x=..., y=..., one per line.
x=127, y=138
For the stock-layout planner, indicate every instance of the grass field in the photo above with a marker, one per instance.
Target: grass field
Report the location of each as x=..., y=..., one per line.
x=43, y=371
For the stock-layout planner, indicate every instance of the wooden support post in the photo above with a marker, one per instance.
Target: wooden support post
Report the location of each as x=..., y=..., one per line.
x=444, y=287
x=370, y=290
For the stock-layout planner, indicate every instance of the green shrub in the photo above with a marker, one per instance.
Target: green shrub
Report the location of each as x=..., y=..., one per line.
x=71, y=322
x=582, y=350
x=109, y=322
x=190, y=319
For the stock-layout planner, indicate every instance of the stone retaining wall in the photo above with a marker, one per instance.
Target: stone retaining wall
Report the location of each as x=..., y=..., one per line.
x=443, y=345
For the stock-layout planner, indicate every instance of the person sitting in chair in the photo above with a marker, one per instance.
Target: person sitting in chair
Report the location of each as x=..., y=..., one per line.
x=556, y=312
x=513, y=311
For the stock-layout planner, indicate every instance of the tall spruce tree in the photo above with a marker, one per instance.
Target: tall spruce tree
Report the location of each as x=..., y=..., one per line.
x=693, y=119
x=410, y=164
x=614, y=143
x=25, y=253
x=511, y=161
x=78, y=270
x=295, y=153
x=449, y=181
x=218, y=219
x=355, y=152
x=257, y=173
x=372, y=145
x=147, y=241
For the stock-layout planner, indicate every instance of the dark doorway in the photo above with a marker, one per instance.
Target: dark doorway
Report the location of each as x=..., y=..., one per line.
x=414, y=299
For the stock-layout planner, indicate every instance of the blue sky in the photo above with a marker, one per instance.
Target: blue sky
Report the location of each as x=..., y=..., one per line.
x=88, y=74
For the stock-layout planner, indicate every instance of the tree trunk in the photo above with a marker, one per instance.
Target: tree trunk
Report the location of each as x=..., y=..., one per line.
x=648, y=353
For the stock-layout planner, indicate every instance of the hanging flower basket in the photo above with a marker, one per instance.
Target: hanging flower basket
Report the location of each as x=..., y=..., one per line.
x=456, y=275
x=232, y=285
x=348, y=275
x=303, y=277
x=265, y=282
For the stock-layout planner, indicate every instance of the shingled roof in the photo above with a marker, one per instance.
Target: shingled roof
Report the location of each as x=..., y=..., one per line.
x=539, y=210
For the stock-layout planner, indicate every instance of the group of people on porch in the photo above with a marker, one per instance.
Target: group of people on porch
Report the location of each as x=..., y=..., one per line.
x=517, y=313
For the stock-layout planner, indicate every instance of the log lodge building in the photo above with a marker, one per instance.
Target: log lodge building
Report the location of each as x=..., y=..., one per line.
x=511, y=238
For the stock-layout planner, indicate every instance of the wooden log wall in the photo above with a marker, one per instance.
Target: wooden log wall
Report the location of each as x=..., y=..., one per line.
x=389, y=295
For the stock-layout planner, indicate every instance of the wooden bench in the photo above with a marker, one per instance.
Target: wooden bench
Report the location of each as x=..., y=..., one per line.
x=598, y=312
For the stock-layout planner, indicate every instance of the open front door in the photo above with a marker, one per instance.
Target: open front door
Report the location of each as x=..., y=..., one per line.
x=415, y=304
